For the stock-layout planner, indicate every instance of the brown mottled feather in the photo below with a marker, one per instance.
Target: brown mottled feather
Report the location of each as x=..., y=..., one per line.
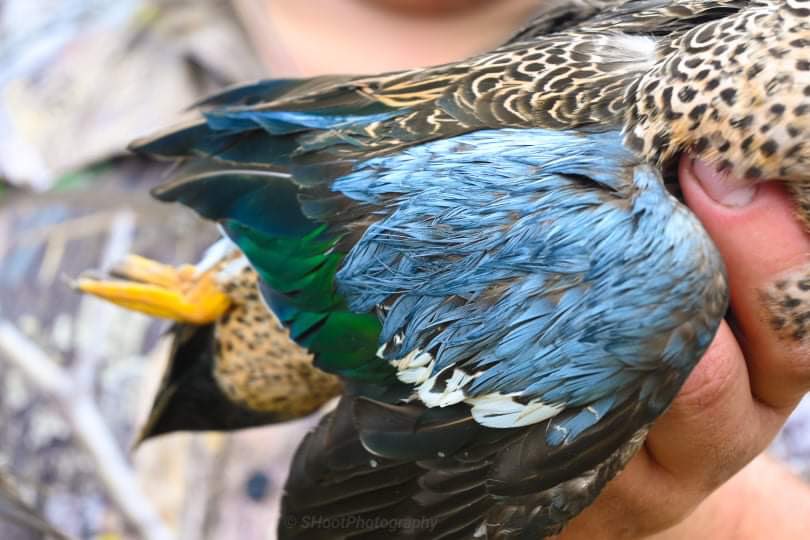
x=258, y=365
x=634, y=66
x=734, y=92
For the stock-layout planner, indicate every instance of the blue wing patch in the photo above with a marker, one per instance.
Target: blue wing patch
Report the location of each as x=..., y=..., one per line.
x=528, y=272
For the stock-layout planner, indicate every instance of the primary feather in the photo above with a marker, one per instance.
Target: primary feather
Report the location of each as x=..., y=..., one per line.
x=486, y=253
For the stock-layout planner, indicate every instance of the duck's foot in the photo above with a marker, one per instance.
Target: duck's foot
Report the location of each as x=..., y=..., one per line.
x=178, y=293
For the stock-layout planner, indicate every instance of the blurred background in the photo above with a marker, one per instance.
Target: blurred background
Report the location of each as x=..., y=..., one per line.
x=79, y=79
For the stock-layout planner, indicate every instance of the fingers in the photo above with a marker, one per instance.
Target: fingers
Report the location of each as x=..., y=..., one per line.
x=741, y=391
x=718, y=422
x=714, y=427
x=762, y=501
x=767, y=254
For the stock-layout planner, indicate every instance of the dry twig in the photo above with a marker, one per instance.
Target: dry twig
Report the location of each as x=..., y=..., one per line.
x=86, y=422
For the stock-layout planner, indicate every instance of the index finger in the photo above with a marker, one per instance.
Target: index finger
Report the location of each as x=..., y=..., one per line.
x=767, y=255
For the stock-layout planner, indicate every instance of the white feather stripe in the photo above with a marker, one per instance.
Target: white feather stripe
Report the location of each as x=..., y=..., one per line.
x=492, y=410
x=451, y=393
x=439, y=399
x=421, y=359
x=414, y=367
x=412, y=375
x=501, y=411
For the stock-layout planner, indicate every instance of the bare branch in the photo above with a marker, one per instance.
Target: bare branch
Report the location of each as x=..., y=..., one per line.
x=80, y=412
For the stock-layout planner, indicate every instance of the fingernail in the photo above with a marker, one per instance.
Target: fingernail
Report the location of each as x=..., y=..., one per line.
x=722, y=187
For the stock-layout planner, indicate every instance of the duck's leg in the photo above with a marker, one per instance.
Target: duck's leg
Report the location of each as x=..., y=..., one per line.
x=178, y=293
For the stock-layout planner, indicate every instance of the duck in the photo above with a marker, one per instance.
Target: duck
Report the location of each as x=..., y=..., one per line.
x=486, y=253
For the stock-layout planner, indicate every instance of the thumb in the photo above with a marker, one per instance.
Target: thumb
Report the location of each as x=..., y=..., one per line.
x=767, y=255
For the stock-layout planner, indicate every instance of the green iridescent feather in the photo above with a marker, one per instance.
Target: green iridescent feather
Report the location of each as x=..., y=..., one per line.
x=298, y=275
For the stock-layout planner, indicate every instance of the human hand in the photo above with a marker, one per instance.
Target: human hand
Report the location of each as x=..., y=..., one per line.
x=742, y=390
x=737, y=398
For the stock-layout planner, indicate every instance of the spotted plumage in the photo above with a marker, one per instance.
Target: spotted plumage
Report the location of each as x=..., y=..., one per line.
x=486, y=253
x=787, y=303
x=737, y=91
x=258, y=366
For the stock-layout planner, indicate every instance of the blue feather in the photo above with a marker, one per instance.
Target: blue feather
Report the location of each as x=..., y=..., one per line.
x=287, y=122
x=564, y=256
